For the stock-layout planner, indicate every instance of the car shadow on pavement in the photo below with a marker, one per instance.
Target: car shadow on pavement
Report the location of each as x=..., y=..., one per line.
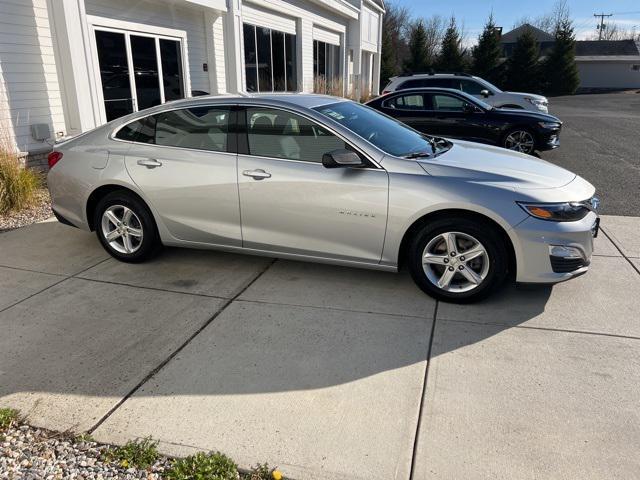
x=80, y=341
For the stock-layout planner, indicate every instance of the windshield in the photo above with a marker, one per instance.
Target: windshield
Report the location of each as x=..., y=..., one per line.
x=474, y=101
x=384, y=132
x=490, y=86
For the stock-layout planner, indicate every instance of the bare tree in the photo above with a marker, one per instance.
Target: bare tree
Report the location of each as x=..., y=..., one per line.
x=548, y=22
x=614, y=31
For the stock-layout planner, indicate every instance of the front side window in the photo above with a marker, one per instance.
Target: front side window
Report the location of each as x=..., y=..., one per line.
x=269, y=60
x=326, y=68
x=280, y=134
x=200, y=128
x=387, y=134
x=448, y=103
x=407, y=102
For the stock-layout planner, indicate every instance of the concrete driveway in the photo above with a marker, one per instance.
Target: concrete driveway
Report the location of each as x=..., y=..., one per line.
x=327, y=372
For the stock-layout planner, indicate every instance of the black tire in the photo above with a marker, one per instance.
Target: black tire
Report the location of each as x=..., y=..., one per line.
x=503, y=142
x=150, y=244
x=485, y=233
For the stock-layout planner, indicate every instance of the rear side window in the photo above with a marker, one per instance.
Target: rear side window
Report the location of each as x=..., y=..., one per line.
x=200, y=128
x=427, y=82
x=406, y=102
x=280, y=134
x=471, y=87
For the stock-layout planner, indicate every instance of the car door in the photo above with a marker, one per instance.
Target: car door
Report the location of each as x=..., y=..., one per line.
x=409, y=108
x=290, y=203
x=185, y=164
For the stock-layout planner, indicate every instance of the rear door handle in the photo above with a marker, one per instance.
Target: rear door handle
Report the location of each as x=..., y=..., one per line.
x=256, y=174
x=149, y=163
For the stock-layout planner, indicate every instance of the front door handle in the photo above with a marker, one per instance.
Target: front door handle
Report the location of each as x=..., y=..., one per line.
x=256, y=174
x=149, y=163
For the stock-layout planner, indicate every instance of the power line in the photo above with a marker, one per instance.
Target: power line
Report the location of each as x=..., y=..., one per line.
x=601, y=27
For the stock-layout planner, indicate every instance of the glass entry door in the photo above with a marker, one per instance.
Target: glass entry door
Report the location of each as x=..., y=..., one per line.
x=138, y=71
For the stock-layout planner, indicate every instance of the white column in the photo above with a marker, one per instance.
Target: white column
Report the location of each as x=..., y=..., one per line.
x=233, y=47
x=304, y=30
x=70, y=33
x=354, y=42
x=214, y=22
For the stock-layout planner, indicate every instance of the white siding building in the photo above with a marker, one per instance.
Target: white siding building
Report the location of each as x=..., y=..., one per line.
x=67, y=66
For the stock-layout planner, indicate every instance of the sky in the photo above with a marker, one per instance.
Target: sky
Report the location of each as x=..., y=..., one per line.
x=473, y=13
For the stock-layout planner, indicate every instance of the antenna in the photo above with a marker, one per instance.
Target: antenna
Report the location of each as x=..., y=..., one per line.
x=602, y=26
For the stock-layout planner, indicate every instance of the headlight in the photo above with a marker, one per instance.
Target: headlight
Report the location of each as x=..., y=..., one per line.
x=549, y=124
x=538, y=103
x=558, y=212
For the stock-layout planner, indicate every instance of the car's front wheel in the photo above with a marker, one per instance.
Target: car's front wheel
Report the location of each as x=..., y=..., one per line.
x=520, y=140
x=458, y=260
x=126, y=228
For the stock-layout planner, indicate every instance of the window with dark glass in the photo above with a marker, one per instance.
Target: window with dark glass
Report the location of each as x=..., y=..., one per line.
x=280, y=134
x=407, y=102
x=171, y=59
x=114, y=74
x=326, y=67
x=448, y=103
x=200, y=128
x=269, y=60
x=132, y=83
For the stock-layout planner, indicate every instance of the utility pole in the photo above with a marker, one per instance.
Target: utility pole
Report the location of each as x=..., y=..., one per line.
x=602, y=26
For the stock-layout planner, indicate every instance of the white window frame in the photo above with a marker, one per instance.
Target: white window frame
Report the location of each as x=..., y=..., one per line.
x=142, y=30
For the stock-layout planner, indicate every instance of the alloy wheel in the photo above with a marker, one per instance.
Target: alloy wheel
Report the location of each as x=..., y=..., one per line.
x=520, y=141
x=122, y=229
x=455, y=262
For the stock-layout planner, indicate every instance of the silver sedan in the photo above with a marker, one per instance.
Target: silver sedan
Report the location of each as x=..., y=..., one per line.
x=324, y=179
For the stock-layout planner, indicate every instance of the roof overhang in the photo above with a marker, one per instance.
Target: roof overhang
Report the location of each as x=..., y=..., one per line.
x=220, y=5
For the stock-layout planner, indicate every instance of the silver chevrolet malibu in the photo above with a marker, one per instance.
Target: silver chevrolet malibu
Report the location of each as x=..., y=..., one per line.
x=318, y=178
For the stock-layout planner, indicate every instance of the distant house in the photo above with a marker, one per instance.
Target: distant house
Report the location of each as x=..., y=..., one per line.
x=602, y=64
x=67, y=66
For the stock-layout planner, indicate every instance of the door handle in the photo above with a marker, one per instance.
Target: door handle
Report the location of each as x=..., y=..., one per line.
x=149, y=163
x=256, y=174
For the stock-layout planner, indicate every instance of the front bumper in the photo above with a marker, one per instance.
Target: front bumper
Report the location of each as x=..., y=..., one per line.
x=535, y=261
x=549, y=139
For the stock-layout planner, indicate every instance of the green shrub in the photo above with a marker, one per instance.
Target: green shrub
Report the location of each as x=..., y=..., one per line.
x=8, y=416
x=135, y=453
x=203, y=466
x=18, y=185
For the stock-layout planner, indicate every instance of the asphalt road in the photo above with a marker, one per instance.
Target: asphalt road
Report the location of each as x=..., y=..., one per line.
x=600, y=141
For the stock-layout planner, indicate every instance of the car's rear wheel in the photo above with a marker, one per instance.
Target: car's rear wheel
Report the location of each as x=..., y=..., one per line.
x=520, y=140
x=458, y=259
x=126, y=228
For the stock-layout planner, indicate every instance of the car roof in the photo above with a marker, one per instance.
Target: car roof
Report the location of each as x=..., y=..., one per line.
x=434, y=75
x=304, y=100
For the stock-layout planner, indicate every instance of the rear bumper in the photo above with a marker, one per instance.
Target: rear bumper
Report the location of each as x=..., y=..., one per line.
x=536, y=239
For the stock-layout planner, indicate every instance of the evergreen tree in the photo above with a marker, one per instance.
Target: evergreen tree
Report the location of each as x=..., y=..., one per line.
x=451, y=57
x=418, y=51
x=486, y=55
x=387, y=60
x=561, y=73
x=523, y=69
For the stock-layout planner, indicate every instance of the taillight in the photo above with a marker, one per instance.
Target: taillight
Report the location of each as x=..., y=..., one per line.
x=53, y=158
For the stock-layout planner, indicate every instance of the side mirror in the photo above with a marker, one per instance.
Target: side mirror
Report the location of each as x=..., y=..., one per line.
x=468, y=108
x=485, y=93
x=341, y=158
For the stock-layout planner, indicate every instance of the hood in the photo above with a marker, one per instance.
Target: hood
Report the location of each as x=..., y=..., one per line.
x=528, y=114
x=527, y=95
x=497, y=166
